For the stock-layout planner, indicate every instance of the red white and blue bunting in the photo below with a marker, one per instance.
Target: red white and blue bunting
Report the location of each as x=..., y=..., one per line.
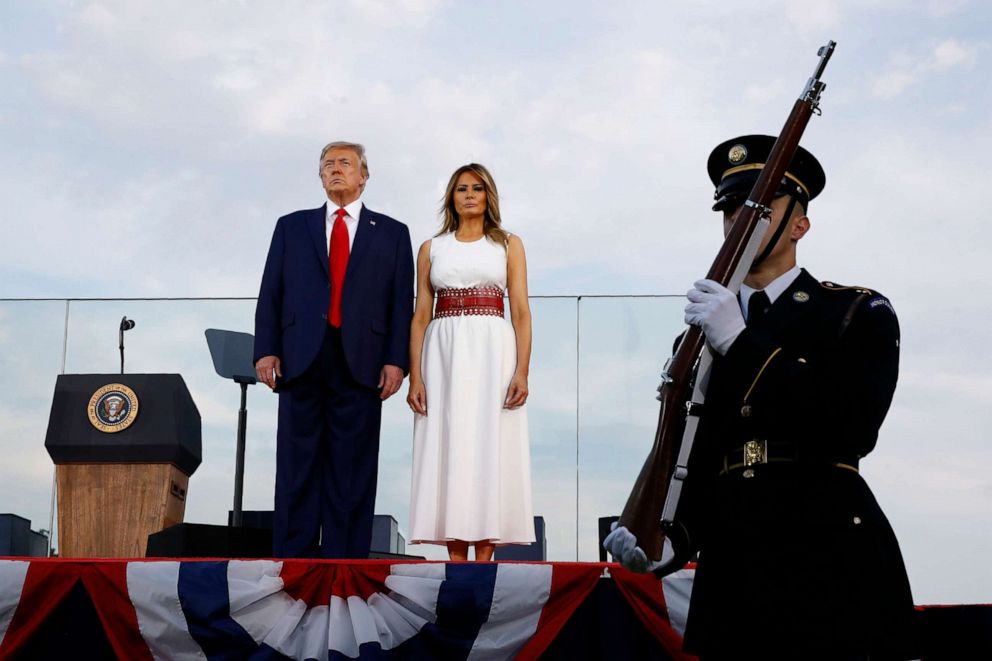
x=301, y=609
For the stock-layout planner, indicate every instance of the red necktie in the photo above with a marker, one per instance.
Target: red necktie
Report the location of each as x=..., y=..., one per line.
x=337, y=262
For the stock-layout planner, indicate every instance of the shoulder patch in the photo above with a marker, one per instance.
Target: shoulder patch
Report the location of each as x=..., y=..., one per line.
x=881, y=302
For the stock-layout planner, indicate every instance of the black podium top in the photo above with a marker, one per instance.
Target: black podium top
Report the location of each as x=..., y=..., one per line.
x=124, y=418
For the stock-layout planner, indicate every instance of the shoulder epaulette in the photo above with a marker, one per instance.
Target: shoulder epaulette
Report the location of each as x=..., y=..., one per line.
x=833, y=286
x=874, y=299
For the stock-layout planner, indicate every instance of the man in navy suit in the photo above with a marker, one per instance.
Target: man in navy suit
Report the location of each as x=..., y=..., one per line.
x=332, y=334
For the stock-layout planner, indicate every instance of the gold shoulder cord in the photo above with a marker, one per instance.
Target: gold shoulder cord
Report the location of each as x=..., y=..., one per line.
x=833, y=286
x=760, y=372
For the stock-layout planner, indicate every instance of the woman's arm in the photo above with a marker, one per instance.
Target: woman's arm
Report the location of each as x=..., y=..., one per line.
x=516, y=281
x=417, y=395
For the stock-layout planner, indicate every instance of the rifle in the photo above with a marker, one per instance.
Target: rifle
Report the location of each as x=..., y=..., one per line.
x=651, y=507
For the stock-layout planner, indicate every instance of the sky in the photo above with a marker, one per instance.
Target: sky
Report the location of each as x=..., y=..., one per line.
x=149, y=147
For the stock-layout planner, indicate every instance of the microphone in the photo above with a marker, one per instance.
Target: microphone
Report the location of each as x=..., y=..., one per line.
x=126, y=325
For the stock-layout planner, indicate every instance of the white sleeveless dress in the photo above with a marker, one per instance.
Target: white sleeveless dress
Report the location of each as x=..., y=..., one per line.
x=471, y=457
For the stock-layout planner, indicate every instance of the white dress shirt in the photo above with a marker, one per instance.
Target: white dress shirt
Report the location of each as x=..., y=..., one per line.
x=774, y=289
x=350, y=221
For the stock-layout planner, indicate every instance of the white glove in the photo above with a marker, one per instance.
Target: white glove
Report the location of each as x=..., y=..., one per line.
x=622, y=545
x=715, y=309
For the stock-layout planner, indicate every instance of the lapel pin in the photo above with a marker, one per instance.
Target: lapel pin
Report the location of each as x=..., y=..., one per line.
x=371, y=222
x=800, y=297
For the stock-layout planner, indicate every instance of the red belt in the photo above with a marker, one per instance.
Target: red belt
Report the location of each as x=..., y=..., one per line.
x=475, y=300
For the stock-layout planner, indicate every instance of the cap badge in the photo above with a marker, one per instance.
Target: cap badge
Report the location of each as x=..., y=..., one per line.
x=800, y=297
x=737, y=154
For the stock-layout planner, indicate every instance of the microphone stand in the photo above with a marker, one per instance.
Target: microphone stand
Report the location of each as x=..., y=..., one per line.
x=126, y=324
x=120, y=335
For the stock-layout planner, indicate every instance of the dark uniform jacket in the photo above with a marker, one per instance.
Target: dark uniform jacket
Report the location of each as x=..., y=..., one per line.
x=796, y=559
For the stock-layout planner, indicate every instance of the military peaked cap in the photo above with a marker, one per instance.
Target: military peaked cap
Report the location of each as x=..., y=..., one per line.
x=734, y=166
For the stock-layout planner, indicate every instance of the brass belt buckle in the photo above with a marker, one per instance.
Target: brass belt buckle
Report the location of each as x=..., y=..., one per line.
x=755, y=452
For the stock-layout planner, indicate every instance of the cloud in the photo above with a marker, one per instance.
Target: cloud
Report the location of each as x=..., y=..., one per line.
x=814, y=16
x=967, y=386
x=944, y=8
x=905, y=71
x=951, y=53
x=400, y=13
x=211, y=71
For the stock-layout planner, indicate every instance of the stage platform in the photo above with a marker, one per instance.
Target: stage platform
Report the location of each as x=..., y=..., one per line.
x=375, y=609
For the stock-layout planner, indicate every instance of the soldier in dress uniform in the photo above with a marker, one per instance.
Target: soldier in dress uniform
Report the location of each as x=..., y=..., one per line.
x=796, y=559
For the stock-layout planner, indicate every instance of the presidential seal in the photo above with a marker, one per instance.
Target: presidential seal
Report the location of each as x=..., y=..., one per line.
x=113, y=408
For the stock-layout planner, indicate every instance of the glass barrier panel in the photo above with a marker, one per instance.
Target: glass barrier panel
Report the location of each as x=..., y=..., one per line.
x=31, y=335
x=623, y=345
x=552, y=417
x=168, y=337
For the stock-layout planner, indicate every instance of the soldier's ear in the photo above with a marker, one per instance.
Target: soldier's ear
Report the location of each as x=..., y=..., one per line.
x=800, y=228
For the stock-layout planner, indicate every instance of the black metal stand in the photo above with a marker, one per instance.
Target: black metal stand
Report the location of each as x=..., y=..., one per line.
x=239, y=461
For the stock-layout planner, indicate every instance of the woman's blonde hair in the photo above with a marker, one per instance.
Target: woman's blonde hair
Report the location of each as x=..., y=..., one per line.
x=491, y=227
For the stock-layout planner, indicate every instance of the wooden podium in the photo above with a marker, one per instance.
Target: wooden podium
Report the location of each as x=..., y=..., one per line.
x=124, y=447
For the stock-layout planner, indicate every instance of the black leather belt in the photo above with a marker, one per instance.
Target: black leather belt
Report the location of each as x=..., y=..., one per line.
x=758, y=452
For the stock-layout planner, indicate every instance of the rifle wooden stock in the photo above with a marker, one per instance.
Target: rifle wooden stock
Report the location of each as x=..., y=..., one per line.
x=643, y=511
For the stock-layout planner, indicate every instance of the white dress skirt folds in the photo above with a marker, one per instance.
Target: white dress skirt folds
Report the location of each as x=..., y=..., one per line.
x=471, y=457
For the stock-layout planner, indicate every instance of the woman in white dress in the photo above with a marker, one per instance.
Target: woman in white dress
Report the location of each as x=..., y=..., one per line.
x=468, y=379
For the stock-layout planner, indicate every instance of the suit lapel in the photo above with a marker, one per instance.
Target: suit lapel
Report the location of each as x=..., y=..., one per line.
x=317, y=224
x=364, y=237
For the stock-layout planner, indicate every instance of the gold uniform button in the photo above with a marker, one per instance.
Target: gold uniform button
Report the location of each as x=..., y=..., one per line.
x=857, y=520
x=746, y=411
